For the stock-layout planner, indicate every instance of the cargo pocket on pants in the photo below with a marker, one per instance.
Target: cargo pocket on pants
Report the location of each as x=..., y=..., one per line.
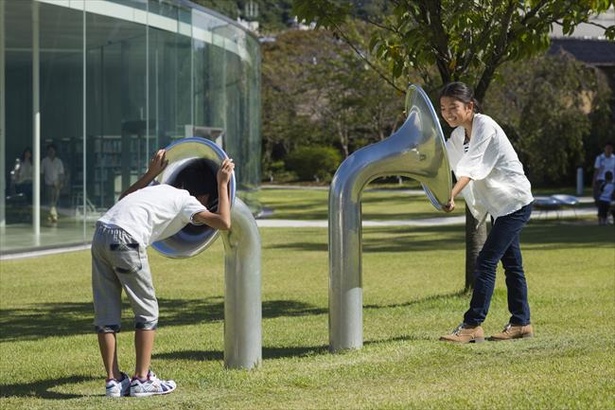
x=126, y=257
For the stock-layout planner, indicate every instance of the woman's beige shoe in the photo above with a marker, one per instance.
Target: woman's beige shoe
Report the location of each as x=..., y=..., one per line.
x=465, y=334
x=511, y=332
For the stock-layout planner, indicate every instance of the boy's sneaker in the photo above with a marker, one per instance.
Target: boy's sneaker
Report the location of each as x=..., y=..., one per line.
x=465, y=334
x=150, y=386
x=115, y=388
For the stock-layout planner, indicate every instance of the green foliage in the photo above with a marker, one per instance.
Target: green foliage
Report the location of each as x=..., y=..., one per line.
x=466, y=40
x=545, y=103
x=316, y=90
x=273, y=15
x=549, y=111
x=313, y=163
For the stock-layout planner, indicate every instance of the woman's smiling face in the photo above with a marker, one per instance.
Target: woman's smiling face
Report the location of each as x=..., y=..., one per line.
x=455, y=112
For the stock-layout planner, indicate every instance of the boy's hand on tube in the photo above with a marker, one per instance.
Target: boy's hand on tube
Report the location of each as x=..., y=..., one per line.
x=225, y=171
x=158, y=163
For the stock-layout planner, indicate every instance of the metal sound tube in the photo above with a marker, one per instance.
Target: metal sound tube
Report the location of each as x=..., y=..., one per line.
x=417, y=151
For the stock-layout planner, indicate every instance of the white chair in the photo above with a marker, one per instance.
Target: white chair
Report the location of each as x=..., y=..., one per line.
x=546, y=204
x=567, y=201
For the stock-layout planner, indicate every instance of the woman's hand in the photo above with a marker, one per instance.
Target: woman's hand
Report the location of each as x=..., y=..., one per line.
x=450, y=206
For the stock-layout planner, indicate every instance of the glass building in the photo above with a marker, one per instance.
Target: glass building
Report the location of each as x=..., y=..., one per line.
x=107, y=83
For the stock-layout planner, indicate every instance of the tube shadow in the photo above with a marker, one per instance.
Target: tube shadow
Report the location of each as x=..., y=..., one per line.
x=451, y=295
x=278, y=352
x=268, y=353
x=67, y=319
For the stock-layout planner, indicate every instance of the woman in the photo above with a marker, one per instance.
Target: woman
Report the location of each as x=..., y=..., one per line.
x=491, y=178
x=23, y=175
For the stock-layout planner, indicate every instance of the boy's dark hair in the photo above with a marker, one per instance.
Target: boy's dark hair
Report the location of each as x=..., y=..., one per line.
x=198, y=178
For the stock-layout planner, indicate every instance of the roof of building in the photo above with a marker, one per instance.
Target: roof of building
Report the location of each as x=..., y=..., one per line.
x=592, y=51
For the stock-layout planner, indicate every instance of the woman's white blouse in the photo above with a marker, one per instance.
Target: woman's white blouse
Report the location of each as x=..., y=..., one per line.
x=498, y=184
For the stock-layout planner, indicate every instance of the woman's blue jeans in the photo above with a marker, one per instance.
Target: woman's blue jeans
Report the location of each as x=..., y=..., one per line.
x=502, y=244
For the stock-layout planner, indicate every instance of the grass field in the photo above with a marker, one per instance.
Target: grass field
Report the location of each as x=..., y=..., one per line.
x=412, y=281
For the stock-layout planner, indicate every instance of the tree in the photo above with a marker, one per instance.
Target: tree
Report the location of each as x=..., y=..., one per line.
x=465, y=40
x=547, y=105
x=317, y=91
x=272, y=15
x=286, y=124
x=350, y=97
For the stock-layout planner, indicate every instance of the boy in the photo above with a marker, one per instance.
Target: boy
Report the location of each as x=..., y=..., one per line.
x=145, y=214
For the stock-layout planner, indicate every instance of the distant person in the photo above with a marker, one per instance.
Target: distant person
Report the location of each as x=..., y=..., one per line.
x=146, y=214
x=52, y=170
x=604, y=162
x=492, y=180
x=605, y=197
x=23, y=175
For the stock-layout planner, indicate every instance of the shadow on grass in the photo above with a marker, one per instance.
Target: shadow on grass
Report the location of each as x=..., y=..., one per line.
x=304, y=351
x=538, y=234
x=66, y=319
x=268, y=353
x=433, y=298
x=391, y=239
x=43, y=388
x=552, y=234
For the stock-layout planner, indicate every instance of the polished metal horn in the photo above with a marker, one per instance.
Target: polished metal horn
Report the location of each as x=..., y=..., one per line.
x=242, y=254
x=192, y=239
x=416, y=150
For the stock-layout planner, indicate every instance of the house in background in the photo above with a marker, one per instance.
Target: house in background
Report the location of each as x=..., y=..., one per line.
x=589, y=45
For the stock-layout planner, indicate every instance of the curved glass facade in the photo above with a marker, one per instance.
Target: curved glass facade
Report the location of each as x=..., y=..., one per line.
x=108, y=82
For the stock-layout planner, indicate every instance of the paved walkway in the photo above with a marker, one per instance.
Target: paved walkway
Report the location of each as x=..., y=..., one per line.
x=439, y=220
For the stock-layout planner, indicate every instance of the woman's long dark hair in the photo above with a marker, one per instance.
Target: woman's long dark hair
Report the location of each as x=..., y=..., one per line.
x=461, y=92
x=23, y=154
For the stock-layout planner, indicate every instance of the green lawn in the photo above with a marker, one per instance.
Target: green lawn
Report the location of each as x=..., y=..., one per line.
x=412, y=279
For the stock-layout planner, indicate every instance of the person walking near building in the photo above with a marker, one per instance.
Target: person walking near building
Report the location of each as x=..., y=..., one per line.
x=23, y=174
x=605, y=162
x=52, y=170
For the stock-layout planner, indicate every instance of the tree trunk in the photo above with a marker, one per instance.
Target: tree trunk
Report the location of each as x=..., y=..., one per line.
x=475, y=239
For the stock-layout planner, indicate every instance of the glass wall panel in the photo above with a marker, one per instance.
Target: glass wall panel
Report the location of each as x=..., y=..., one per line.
x=18, y=195
x=117, y=128
x=61, y=125
x=57, y=81
x=114, y=80
x=170, y=78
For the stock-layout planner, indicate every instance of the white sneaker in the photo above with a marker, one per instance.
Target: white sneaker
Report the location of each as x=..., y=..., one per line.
x=116, y=388
x=151, y=386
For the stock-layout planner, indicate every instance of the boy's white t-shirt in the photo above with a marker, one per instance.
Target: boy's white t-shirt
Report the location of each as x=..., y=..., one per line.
x=153, y=213
x=499, y=185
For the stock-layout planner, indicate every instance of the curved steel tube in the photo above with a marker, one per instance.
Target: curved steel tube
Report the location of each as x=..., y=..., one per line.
x=242, y=257
x=242, y=290
x=416, y=150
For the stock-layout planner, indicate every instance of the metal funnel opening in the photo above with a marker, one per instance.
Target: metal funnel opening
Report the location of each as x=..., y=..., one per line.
x=189, y=159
